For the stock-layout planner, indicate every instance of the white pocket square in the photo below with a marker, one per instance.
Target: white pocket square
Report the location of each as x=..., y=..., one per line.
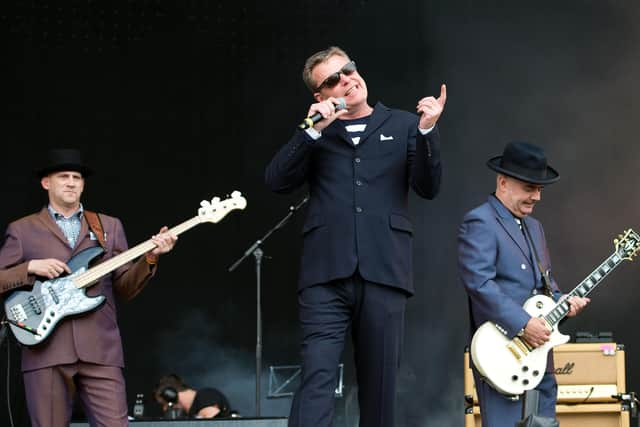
x=385, y=138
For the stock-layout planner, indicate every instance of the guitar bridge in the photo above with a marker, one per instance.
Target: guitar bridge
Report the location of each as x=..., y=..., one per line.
x=17, y=313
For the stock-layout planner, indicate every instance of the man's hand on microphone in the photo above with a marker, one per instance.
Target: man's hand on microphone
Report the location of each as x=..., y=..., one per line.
x=327, y=109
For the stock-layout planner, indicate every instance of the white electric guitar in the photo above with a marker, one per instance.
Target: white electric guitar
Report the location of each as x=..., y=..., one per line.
x=513, y=366
x=33, y=315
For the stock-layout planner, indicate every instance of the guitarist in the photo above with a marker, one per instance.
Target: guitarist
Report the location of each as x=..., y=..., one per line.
x=500, y=270
x=84, y=354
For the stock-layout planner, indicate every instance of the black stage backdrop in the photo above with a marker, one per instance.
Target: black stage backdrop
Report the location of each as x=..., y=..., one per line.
x=178, y=101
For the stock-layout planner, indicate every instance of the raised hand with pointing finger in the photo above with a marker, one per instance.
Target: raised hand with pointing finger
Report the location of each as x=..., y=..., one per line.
x=431, y=108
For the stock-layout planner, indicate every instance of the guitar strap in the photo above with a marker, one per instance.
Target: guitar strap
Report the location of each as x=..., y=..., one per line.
x=544, y=274
x=93, y=219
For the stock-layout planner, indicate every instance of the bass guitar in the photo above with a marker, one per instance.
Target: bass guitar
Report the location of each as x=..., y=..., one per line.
x=33, y=315
x=512, y=366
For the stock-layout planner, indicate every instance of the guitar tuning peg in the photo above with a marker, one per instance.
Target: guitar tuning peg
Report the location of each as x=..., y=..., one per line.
x=235, y=194
x=616, y=241
x=215, y=200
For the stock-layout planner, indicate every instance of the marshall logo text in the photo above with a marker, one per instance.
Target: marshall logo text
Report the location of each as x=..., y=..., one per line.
x=567, y=369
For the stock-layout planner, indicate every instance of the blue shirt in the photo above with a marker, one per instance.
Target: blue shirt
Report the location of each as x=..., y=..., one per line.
x=70, y=226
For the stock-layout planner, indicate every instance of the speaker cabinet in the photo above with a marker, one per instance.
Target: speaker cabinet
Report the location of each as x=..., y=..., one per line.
x=586, y=415
x=585, y=372
x=588, y=374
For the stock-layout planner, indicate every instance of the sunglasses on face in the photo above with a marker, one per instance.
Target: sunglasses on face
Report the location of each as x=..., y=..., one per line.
x=334, y=79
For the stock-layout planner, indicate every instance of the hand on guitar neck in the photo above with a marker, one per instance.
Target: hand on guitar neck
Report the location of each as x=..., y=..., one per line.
x=577, y=304
x=164, y=241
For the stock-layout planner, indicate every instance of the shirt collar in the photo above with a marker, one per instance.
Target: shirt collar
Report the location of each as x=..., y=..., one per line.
x=56, y=215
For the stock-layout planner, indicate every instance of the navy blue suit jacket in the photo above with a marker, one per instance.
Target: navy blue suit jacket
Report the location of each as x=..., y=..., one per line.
x=358, y=215
x=496, y=265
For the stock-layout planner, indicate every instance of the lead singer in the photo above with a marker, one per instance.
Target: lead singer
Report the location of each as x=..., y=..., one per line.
x=356, y=268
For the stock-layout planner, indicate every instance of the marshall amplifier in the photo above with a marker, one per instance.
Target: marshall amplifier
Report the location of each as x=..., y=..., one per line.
x=589, y=376
x=586, y=373
x=589, y=372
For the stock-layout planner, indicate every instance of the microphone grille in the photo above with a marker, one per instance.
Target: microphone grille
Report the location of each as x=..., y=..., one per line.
x=341, y=105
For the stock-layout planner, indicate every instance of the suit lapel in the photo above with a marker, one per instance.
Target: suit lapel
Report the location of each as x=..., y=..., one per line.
x=50, y=223
x=534, y=237
x=378, y=117
x=84, y=241
x=506, y=219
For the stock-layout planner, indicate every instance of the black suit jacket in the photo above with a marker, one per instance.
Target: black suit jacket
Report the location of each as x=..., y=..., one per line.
x=358, y=215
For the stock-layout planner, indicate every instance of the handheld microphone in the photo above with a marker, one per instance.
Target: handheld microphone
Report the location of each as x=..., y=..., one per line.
x=310, y=121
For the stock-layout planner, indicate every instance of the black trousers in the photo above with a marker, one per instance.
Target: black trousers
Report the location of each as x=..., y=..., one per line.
x=375, y=314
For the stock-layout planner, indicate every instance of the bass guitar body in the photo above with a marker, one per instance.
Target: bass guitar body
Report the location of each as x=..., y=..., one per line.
x=34, y=314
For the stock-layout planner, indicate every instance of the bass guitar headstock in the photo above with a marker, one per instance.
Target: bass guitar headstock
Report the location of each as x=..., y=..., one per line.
x=217, y=209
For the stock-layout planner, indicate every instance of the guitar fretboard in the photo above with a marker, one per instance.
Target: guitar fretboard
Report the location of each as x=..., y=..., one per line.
x=92, y=275
x=584, y=288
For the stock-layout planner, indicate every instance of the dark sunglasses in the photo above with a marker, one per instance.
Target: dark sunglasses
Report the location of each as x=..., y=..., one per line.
x=334, y=78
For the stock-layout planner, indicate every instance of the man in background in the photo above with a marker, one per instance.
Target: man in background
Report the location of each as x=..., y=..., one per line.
x=179, y=400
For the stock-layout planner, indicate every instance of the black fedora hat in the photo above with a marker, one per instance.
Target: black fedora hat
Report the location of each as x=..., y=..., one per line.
x=526, y=162
x=63, y=159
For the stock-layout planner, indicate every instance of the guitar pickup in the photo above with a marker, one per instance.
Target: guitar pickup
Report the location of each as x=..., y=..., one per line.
x=523, y=345
x=53, y=294
x=35, y=305
x=514, y=351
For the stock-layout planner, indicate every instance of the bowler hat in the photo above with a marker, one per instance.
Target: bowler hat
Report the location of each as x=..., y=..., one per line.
x=526, y=162
x=63, y=159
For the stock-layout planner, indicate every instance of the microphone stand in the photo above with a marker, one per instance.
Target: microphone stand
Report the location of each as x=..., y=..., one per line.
x=257, y=253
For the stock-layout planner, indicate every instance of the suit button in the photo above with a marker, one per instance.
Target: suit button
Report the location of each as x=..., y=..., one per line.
x=358, y=209
x=357, y=159
x=358, y=182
